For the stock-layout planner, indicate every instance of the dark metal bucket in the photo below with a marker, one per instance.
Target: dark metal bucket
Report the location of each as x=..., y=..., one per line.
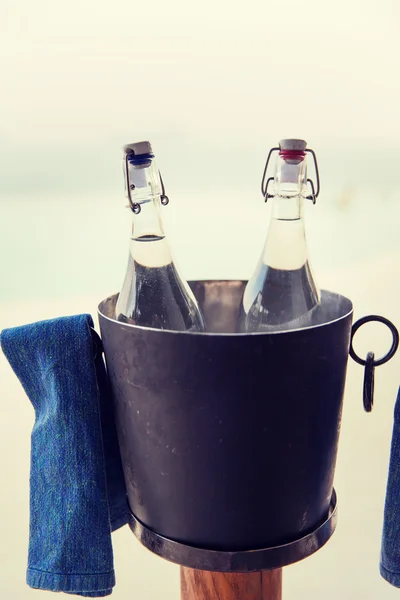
x=229, y=442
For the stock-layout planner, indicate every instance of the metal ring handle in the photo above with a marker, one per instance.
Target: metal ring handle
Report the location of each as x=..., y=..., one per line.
x=369, y=382
x=370, y=363
x=395, y=340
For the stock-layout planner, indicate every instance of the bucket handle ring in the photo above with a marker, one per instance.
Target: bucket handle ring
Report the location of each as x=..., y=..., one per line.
x=369, y=362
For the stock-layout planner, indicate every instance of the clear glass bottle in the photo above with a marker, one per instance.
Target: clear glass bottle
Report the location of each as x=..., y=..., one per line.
x=282, y=293
x=153, y=294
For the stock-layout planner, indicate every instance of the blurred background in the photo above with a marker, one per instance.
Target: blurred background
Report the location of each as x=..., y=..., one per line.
x=213, y=86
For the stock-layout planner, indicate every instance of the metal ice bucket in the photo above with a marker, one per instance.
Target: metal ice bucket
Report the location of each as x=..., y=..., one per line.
x=229, y=441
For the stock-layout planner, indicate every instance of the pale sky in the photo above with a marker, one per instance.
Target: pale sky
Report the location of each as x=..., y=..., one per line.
x=219, y=78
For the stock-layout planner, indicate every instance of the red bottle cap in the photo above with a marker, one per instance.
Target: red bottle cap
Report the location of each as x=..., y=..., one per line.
x=292, y=149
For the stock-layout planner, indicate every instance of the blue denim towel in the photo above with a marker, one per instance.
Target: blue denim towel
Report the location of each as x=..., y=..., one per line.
x=77, y=489
x=390, y=551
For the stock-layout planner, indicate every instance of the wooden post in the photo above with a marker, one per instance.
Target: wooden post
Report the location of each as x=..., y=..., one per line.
x=209, y=585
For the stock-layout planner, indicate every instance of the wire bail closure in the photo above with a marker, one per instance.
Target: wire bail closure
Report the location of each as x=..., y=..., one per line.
x=265, y=182
x=135, y=206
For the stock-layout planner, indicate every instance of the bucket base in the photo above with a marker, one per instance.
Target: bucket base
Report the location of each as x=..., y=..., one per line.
x=261, y=559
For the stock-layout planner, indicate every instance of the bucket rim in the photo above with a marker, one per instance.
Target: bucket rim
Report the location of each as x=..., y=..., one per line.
x=101, y=313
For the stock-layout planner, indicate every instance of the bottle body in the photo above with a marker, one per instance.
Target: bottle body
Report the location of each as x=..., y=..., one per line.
x=154, y=293
x=282, y=292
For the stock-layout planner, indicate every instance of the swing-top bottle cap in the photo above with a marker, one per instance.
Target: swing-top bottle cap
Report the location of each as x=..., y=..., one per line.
x=138, y=148
x=293, y=144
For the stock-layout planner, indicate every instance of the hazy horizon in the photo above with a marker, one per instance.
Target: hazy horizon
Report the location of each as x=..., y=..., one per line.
x=185, y=164
x=213, y=86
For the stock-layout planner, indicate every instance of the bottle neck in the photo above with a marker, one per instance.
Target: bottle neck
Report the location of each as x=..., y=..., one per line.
x=286, y=246
x=148, y=223
x=149, y=247
x=290, y=183
x=288, y=208
x=143, y=178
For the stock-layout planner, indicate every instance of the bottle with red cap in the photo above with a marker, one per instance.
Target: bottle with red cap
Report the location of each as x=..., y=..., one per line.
x=282, y=293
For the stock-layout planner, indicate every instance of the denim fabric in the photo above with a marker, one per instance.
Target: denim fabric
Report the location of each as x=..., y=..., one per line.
x=390, y=551
x=77, y=490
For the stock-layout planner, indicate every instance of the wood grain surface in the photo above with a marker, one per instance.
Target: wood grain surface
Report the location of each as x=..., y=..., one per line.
x=208, y=585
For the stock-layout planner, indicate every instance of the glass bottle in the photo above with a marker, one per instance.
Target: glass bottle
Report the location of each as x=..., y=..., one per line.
x=282, y=292
x=153, y=293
